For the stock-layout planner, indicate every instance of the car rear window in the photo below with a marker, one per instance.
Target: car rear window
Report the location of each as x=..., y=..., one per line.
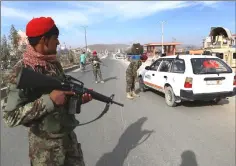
x=209, y=66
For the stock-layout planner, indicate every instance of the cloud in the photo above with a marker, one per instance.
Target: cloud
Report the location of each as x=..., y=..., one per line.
x=12, y=12
x=71, y=15
x=208, y=3
x=140, y=9
x=89, y=13
x=211, y=4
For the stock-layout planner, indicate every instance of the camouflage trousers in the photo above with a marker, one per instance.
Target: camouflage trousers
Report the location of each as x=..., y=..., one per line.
x=97, y=72
x=130, y=83
x=64, y=151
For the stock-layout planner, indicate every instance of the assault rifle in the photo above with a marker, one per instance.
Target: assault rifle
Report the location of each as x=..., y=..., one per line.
x=29, y=79
x=97, y=62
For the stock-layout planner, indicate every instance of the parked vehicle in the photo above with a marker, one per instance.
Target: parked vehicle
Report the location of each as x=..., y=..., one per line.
x=189, y=77
x=120, y=56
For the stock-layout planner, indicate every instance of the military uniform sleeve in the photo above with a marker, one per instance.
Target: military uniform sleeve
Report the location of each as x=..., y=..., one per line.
x=139, y=63
x=19, y=111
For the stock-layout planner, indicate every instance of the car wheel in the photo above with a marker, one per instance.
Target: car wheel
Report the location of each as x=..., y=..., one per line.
x=142, y=86
x=170, y=97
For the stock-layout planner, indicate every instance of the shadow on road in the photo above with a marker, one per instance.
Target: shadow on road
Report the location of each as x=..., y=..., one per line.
x=137, y=91
x=188, y=158
x=203, y=103
x=128, y=141
x=86, y=70
x=191, y=103
x=110, y=78
x=156, y=92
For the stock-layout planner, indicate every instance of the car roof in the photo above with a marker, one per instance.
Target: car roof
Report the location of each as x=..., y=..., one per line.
x=188, y=56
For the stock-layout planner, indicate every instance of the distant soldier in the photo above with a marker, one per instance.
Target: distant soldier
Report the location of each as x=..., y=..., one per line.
x=131, y=76
x=96, y=62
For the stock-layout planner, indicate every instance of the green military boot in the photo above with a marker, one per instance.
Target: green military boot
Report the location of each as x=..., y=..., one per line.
x=134, y=94
x=129, y=96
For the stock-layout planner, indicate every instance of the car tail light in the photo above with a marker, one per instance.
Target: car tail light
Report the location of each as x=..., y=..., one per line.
x=234, y=80
x=188, y=82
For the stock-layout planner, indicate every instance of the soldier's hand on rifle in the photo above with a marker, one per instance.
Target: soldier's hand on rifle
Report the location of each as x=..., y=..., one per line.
x=59, y=97
x=86, y=97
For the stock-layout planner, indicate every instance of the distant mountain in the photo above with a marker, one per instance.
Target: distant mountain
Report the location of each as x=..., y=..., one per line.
x=114, y=47
x=109, y=47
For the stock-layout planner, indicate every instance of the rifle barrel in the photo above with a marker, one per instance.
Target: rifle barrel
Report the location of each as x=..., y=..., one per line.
x=114, y=102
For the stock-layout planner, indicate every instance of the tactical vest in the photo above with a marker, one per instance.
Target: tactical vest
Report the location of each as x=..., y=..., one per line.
x=95, y=65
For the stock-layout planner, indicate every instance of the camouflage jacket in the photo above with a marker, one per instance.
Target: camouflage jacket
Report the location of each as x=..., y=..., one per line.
x=35, y=109
x=133, y=67
x=96, y=61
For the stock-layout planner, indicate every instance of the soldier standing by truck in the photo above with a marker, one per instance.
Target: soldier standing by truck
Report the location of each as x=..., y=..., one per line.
x=131, y=76
x=96, y=62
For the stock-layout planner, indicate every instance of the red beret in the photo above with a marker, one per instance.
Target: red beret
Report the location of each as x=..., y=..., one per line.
x=39, y=26
x=94, y=52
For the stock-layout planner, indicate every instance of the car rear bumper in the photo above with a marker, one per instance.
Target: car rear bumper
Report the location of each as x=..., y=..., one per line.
x=189, y=95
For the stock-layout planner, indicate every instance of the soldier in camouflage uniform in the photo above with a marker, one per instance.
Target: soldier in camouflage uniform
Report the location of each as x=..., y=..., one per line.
x=52, y=141
x=96, y=62
x=131, y=76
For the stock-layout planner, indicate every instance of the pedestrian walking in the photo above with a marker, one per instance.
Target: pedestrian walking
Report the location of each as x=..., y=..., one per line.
x=83, y=57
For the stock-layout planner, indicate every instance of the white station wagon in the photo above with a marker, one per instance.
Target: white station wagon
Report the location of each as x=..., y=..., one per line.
x=189, y=77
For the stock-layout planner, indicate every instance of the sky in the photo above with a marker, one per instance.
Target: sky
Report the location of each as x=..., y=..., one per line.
x=123, y=22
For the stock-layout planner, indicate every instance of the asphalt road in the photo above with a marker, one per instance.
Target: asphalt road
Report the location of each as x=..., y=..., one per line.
x=146, y=132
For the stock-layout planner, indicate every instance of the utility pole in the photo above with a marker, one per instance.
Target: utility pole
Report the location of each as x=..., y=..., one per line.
x=85, y=37
x=162, y=37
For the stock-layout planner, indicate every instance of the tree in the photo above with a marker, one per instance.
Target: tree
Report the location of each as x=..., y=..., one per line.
x=5, y=51
x=14, y=38
x=71, y=56
x=14, y=44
